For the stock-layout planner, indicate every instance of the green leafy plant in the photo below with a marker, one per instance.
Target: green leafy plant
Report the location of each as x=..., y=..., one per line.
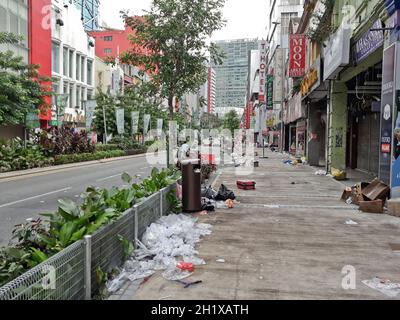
x=127, y=246
x=174, y=202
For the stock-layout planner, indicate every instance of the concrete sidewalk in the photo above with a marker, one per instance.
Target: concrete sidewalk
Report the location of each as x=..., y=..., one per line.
x=286, y=240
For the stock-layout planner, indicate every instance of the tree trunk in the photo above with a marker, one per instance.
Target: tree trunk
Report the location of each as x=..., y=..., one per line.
x=171, y=107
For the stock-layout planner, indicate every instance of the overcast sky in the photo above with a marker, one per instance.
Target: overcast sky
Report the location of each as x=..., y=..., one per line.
x=245, y=18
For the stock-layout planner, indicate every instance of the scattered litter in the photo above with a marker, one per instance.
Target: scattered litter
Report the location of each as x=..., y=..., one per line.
x=166, y=298
x=261, y=278
x=221, y=260
x=185, y=266
x=189, y=284
x=207, y=204
x=221, y=205
x=349, y=201
x=224, y=194
x=351, y=222
x=204, y=213
x=174, y=274
x=338, y=174
x=384, y=286
x=320, y=173
x=171, y=237
x=229, y=204
x=246, y=185
x=41, y=201
x=209, y=193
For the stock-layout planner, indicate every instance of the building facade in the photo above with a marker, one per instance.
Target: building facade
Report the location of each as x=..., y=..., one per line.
x=211, y=90
x=73, y=65
x=89, y=10
x=231, y=76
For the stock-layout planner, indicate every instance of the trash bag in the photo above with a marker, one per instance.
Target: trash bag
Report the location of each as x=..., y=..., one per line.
x=207, y=205
x=209, y=193
x=225, y=194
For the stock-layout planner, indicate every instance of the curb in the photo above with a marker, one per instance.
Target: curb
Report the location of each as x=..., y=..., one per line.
x=15, y=174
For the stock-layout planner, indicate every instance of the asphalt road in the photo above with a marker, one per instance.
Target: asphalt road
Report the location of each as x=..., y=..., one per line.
x=26, y=197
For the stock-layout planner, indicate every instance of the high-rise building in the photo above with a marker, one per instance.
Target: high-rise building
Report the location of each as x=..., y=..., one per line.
x=231, y=76
x=89, y=13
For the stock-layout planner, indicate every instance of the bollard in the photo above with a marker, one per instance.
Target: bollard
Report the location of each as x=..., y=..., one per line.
x=161, y=202
x=88, y=267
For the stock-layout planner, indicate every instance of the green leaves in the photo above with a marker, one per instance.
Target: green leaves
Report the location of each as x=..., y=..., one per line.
x=127, y=246
x=22, y=90
x=126, y=177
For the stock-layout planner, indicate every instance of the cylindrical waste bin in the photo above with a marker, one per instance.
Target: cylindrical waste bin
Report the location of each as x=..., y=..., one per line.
x=191, y=185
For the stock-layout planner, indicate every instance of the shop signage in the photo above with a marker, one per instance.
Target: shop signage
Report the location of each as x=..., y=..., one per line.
x=369, y=42
x=119, y=116
x=395, y=182
x=337, y=51
x=263, y=69
x=270, y=92
x=279, y=75
x=297, y=55
x=388, y=78
x=135, y=122
x=312, y=79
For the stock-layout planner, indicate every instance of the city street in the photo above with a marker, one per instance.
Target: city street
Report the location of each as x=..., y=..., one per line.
x=27, y=196
x=286, y=240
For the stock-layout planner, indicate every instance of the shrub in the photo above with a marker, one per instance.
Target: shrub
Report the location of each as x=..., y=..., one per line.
x=63, y=141
x=107, y=147
x=125, y=143
x=14, y=156
x=82, y=157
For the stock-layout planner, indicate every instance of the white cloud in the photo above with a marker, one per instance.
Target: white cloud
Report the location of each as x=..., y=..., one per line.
x=245, y=18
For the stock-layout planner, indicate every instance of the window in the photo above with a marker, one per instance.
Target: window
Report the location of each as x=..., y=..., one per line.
x=107, y=50
x=55, y=53
x=71, y=64
x=108, y=38
x=77, y=65
x=71, y=93
x=89, y=72
x=65, y=61
x=83, y=69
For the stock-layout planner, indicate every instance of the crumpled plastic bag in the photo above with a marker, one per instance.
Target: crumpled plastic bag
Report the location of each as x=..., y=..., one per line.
x=164, y=241
x=384, y=286
x=225, y=194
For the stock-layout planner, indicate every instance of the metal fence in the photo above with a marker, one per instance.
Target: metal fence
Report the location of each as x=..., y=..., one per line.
x=71, y=274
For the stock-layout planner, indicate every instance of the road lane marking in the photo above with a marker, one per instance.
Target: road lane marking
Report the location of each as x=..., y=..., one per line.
x=110, y=177
x=34, y=197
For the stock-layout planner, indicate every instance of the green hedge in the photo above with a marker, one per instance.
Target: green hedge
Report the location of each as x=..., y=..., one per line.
x=107, y=147
x=72, y=158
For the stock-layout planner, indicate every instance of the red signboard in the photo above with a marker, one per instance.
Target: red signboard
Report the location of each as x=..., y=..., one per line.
x=297, y=57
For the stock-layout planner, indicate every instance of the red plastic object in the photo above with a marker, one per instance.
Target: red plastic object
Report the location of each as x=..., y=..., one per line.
x=246, y=185
x=208, y=159
x=185, y=266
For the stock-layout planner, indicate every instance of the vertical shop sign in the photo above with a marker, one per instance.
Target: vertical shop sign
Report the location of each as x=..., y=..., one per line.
x=270, y=92
x=135, y=122
x=387, y=113
x=297, y=55
x=263, y=70
x=279, y=75
x=395, y=183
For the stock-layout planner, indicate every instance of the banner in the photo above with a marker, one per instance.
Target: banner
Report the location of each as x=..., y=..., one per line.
x=90, y=107
x=135, y=122
x=120, y=119
x=297, y=55
x=387, y=102
x=160, y=123
x=270, y=92
x=263, y=69
x=146, y=123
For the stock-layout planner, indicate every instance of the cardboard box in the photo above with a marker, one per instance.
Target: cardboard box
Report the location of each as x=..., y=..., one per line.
x=376, y=190
x=375, y=206
x=394, y=207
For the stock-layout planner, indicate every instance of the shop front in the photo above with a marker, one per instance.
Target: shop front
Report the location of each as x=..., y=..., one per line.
x=314, y=97
x=295, y=126
x=364, y=101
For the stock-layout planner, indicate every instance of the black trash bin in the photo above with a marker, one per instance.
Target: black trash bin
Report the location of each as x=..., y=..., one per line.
x=191, y=185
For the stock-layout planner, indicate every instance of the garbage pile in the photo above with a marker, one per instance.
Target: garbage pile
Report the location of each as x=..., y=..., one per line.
x=295, y=162
x=370, y=197
x=168, y=245
x=222, y=199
